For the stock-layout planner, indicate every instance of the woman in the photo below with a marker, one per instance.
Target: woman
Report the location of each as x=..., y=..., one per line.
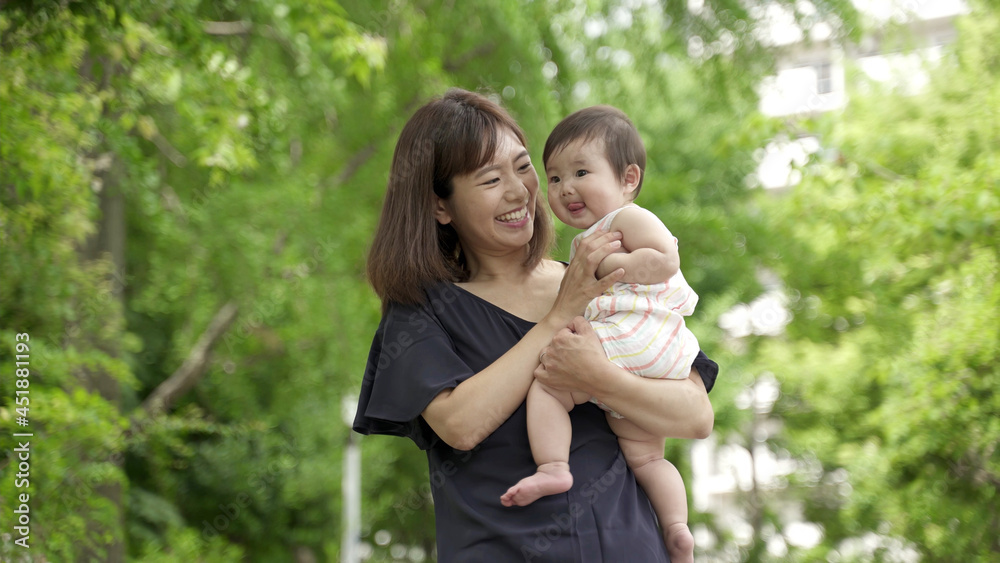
x=473, y=312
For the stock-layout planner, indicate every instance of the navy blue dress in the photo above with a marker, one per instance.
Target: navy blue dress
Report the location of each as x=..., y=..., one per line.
x=419, y=351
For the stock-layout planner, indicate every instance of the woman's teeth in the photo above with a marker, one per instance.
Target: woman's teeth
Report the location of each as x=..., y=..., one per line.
x=513, y=216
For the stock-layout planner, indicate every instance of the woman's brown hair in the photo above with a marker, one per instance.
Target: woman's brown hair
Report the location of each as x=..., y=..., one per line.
x=450, y=136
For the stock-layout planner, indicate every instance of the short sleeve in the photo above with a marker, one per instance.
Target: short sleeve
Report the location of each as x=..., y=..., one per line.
x=411, y=360
x=707, y=369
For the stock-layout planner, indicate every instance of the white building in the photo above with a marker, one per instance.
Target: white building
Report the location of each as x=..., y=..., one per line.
x=813, y=67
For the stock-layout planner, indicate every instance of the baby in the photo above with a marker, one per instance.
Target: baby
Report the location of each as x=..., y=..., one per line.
x=594, y=161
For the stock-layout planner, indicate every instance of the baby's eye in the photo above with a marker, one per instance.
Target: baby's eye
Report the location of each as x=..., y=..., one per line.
x=554, y=180
x=581, y=173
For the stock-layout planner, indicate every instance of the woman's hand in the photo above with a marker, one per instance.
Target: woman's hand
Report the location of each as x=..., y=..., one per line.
x=580, y=283
x=568, y=362
x=674, y=408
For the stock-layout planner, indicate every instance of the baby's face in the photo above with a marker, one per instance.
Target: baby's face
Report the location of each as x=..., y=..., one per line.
x=582, y=185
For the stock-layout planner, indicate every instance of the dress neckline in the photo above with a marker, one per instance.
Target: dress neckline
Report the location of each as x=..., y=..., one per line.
x=492, y=305
x=497, y=307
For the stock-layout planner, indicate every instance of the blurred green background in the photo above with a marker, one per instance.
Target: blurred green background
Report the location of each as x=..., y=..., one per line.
x=188, y=189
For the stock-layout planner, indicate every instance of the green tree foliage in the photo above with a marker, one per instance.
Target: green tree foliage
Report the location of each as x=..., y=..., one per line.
x=188, y=113
x=889, y=249
x=188, y=190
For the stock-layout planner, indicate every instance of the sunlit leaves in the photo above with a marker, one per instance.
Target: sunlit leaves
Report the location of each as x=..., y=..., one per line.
x=892, y=247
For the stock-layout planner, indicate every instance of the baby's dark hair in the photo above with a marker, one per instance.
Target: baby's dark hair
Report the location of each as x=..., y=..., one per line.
x=622, y=143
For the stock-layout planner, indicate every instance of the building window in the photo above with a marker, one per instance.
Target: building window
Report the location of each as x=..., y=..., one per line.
x=824, y=78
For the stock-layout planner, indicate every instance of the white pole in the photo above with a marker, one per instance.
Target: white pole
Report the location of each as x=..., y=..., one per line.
x=351, y=489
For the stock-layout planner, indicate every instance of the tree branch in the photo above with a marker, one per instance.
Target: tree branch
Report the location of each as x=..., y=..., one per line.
x=468, y=56
x=227, y=28
x=359, y=158
x=354, y=164
x=168, y=150
x=163, y=397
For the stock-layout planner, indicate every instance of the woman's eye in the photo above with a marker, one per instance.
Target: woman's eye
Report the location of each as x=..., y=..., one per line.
x=581, y=173
x=491, y=181
x=525, y=168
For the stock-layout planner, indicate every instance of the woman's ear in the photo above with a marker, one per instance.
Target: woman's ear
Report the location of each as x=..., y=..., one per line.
x=633, y=174
x=441, y=212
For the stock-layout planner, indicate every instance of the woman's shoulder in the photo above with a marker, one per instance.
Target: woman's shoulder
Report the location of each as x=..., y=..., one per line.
x=440, y=302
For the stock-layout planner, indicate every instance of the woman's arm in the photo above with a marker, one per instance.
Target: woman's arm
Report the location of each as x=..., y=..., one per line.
x=466, y=414
x=674, y=408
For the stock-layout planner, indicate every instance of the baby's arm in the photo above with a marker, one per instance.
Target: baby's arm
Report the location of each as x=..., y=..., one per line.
x=648, y=252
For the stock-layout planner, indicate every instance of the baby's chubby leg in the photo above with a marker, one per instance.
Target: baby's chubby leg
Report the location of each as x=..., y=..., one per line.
x=550, y=434
x=663, y=485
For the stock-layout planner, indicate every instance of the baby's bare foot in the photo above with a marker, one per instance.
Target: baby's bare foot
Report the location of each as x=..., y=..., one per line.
x=551, y=478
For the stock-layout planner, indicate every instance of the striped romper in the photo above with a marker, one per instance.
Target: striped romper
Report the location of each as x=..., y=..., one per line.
x=642, y=326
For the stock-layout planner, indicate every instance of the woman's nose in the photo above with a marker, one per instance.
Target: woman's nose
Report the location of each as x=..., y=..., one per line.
x=517, y=191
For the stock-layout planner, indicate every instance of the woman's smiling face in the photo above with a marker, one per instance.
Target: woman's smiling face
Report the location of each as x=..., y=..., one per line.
x=492, y=208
